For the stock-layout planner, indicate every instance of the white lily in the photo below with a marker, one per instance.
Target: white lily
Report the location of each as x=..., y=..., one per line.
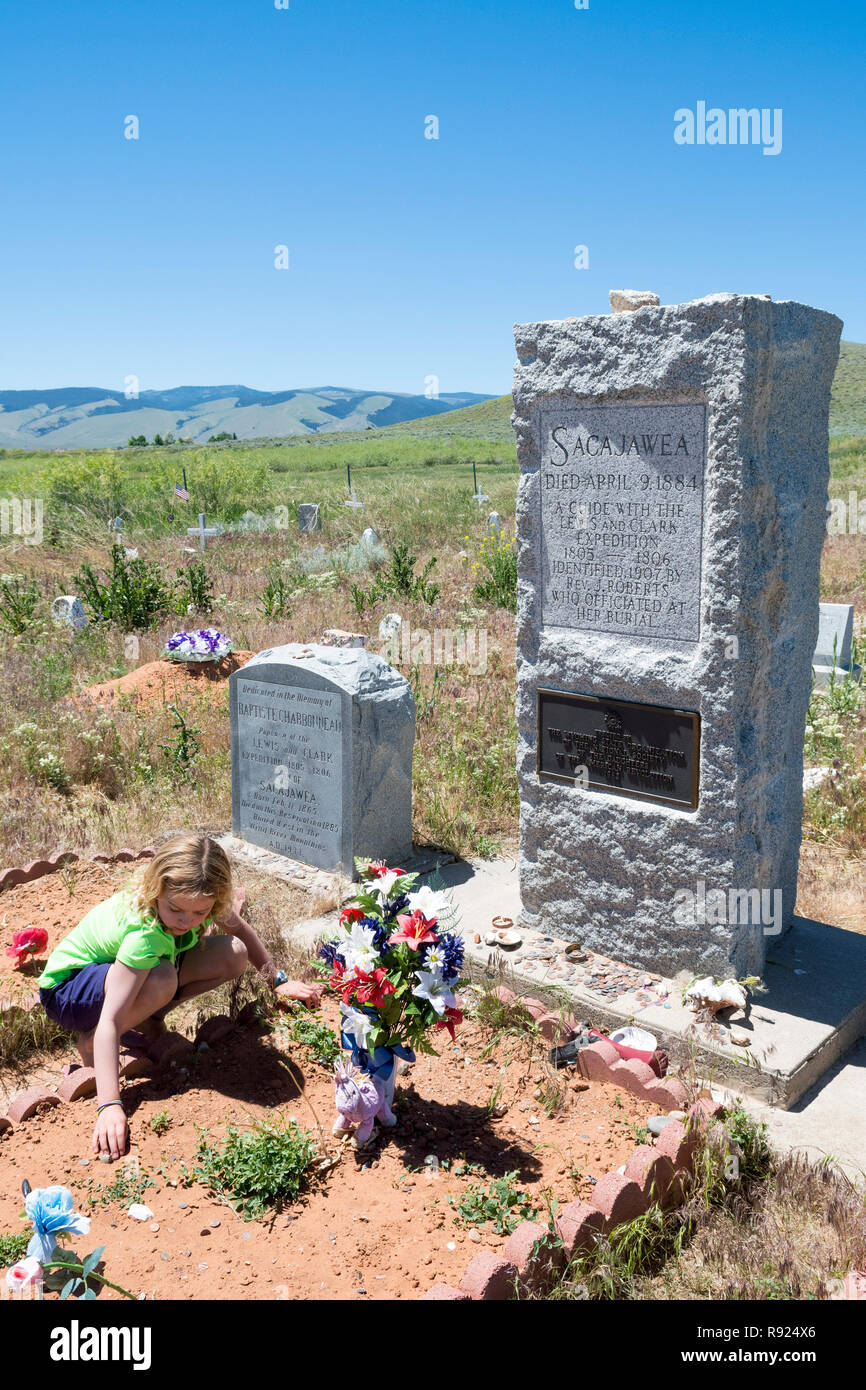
x=431, y=902
x=382, y=886
x=358, y=1025
x=359, y=948
x=433, y=988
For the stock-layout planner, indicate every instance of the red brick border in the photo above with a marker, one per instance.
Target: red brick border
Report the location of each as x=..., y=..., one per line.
x=38, y=868
x=534, y=1255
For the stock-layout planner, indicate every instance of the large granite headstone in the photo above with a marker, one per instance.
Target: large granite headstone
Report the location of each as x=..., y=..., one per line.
x=671, y=513
x=322, y=740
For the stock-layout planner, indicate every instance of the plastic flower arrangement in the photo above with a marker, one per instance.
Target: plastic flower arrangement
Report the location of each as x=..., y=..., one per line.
x=395, y=972
x=205, y=645
x=30, y=942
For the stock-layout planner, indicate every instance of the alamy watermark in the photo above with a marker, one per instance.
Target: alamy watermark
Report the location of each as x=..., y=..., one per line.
x=846, y=518
x=736, y=126
x=22, y=516
x=743, y=906
x=462, y=646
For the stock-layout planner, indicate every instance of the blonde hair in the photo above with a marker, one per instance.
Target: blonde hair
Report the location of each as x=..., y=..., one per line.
x=190, y=864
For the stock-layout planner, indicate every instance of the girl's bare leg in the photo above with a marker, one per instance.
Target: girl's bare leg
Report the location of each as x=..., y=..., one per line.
x=153, y=996
x=216, y=960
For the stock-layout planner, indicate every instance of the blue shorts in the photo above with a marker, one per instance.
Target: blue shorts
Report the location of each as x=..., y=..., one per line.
x=77, y=1001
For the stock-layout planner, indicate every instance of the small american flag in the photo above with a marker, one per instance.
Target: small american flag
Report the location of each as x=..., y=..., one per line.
x=181, y=492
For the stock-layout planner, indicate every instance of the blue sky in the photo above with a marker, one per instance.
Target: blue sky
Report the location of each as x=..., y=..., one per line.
x=409, y=257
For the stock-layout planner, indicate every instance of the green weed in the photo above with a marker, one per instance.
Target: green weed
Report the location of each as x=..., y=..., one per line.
x=256, y=1170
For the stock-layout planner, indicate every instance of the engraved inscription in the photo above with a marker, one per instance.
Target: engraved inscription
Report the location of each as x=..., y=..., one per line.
x=619, y=746
x=290, y=770
x=621, y=499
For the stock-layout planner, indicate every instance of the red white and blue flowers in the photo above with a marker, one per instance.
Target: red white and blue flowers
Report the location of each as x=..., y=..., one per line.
x=204, y=645
x=396, y=972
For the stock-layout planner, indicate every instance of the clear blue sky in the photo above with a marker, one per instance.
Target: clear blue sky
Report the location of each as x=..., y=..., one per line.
x=409, y=257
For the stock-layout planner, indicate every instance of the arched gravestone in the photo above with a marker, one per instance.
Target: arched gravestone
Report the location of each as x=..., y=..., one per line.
x=322, y=740
x=670, y=518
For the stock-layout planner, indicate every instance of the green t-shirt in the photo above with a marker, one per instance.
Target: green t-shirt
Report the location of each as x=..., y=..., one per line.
x=116, y=930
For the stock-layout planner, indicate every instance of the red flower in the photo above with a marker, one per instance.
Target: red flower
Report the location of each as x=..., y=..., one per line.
x=25, y=943
x=452, y=1016
x=414, y=930
x=350, y=914
x=379, y=870
x=373, y=988
x=338, y=978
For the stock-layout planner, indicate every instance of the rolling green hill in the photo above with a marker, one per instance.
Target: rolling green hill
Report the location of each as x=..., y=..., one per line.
x=848, y=404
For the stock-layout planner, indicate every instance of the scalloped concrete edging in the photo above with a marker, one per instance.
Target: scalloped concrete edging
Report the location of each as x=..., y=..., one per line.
x=534, y=1255
x=38, y=868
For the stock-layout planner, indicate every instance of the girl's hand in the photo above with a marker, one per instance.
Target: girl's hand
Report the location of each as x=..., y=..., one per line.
x=111, y=1132
x=311, y=995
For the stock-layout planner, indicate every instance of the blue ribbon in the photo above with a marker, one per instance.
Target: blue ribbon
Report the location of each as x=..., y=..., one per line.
x=381, y=1061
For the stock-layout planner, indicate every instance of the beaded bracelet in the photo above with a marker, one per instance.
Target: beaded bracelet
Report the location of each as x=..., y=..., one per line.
x=100, y=1108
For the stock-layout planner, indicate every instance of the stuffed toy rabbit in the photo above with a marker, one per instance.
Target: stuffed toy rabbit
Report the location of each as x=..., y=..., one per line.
x=360, y=1099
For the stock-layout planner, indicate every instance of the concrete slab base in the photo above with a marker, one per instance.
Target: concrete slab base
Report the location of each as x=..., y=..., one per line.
x=813, y=1010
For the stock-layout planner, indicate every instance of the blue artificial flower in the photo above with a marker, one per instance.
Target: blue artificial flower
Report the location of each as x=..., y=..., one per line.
x=50, y=1210
x=397, y=905
x=451, y=948
x=380, y=933
x=329, y=952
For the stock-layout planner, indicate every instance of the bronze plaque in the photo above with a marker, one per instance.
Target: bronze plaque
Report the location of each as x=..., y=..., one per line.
x=649, y=751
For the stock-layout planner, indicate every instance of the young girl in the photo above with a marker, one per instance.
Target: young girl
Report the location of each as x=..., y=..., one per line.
x=136, y=955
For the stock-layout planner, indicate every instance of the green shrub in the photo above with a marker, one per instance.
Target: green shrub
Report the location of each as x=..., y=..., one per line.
x=18, y=600
x=263, y=1168
x=195, y=591
x=133, y=594
x=502, y=1204
x=498, y=556
x=13, y=1247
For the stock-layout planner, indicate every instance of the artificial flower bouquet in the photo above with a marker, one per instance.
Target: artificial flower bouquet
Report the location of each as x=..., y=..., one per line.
x=396, y=973
x=205, y=645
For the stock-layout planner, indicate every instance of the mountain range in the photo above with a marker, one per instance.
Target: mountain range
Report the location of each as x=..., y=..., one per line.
x=92, y=417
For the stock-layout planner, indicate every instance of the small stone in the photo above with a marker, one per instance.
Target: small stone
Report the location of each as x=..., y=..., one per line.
x=85, y=1162
x=475, y=1235
x=202, y=1265
x=165, y=1255
x=154, y=1226
x=105, y=1158
x=247, y=1235
x=214, y=1225
x=204, y=1231
x=656, y=1123
x=183, y=1206
x=452, y=1245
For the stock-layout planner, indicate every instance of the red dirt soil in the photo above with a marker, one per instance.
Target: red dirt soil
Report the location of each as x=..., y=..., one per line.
x=56, y=902
x=159, y=682
x=380, y=1232
x=384, y=1229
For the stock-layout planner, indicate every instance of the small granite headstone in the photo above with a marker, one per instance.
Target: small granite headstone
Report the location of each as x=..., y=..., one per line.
x=369, y=536
x=69, y=609
x=309, y=518
x=322, y=740
x=494, y=522
x=835, y=627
